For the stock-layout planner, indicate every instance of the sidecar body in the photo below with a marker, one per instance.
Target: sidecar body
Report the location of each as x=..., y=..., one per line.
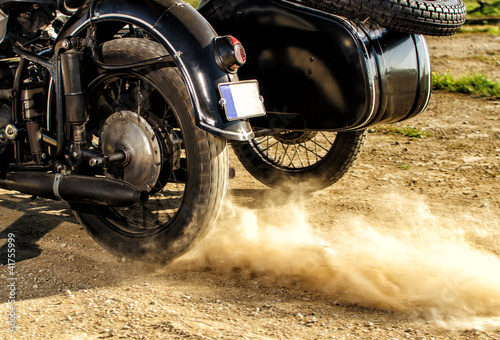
x=319, y=71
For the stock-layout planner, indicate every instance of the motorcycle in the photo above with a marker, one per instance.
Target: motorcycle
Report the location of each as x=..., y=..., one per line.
x=124, y=108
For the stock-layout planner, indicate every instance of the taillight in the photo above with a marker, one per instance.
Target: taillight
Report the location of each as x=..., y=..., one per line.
x=229, y=53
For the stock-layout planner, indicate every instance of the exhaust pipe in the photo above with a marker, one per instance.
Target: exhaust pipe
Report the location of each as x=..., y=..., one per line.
x=76, y=189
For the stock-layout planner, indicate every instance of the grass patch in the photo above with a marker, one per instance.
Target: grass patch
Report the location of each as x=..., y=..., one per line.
x=474, y=83
x=488, y=29
x=404, y=167
x=490, y=8
x=193, y=3
x=406, y=131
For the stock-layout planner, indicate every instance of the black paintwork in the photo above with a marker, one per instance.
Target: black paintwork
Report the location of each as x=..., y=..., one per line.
x=339, y=75
x=187, y=37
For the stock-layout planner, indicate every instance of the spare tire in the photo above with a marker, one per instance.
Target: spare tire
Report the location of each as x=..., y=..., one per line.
x=428, y=17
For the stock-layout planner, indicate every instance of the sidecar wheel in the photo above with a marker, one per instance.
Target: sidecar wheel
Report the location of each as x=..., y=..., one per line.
x=148, y=112
x=306, y=161
x=429, y=17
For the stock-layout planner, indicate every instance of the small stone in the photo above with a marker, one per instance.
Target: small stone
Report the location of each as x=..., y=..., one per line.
x=311, y=321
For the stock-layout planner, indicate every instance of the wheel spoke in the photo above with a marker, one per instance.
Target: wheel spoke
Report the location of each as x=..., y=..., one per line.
x=268, y=147
x=297, y=153
x=304, y=146
x=288, y=156
x=315, y=153
x=295, y=150
x=320, y=146
x=109, y=97
x=326, y=137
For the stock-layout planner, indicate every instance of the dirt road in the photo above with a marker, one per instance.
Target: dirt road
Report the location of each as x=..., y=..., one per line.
x=405, y=246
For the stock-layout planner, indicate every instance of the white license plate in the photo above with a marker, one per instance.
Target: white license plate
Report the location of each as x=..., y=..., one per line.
x=241, y=100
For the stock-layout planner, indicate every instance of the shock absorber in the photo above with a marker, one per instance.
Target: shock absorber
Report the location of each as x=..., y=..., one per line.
x=31, y=114
x=76, y=114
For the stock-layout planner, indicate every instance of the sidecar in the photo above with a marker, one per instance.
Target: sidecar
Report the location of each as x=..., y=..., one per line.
x=325, y=79
x=335, y=73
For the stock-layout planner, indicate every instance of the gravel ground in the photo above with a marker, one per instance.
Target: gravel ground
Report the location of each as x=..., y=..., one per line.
x=405, y=246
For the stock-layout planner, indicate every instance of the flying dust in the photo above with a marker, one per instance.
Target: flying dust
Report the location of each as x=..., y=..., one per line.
x=404, y=258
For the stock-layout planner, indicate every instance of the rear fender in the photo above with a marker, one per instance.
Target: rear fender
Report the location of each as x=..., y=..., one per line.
x=186, y=36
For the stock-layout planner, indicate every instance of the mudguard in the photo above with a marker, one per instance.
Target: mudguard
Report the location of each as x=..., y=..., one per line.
x=187, y=37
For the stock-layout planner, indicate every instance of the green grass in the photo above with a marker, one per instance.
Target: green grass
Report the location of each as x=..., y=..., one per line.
x=406, y=131
x=488, y=29
x=193, y=3
x=473, y=83
x=490, y=9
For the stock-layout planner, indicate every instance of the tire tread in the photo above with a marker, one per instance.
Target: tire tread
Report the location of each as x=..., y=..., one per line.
x=418, y=17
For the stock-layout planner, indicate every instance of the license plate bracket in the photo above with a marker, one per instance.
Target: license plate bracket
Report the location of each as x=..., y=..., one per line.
x=241, y=100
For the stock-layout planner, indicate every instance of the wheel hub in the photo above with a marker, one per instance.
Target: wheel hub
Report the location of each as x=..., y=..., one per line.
x=295, y=137
x=131, y=134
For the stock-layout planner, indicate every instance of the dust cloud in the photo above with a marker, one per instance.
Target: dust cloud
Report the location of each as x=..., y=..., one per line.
x=401, y=257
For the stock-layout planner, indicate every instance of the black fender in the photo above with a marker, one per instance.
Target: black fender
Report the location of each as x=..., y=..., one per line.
x=186, y=36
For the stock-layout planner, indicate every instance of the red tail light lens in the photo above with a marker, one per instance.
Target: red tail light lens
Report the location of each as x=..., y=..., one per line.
x=229, y=53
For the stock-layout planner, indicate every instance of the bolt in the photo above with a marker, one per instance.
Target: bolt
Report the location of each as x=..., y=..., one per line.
x=11, y=132
x=66, y=44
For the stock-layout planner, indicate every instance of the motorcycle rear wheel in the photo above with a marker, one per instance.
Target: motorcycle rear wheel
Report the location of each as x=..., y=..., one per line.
x=302, y=161
x=428, y=17
x=189, y=167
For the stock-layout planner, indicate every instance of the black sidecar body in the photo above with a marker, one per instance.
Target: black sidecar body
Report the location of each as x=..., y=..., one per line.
x=319, y=71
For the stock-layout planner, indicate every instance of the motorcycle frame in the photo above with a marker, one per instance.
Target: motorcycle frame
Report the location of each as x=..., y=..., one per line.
x=185, y=34
x=189, y=42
